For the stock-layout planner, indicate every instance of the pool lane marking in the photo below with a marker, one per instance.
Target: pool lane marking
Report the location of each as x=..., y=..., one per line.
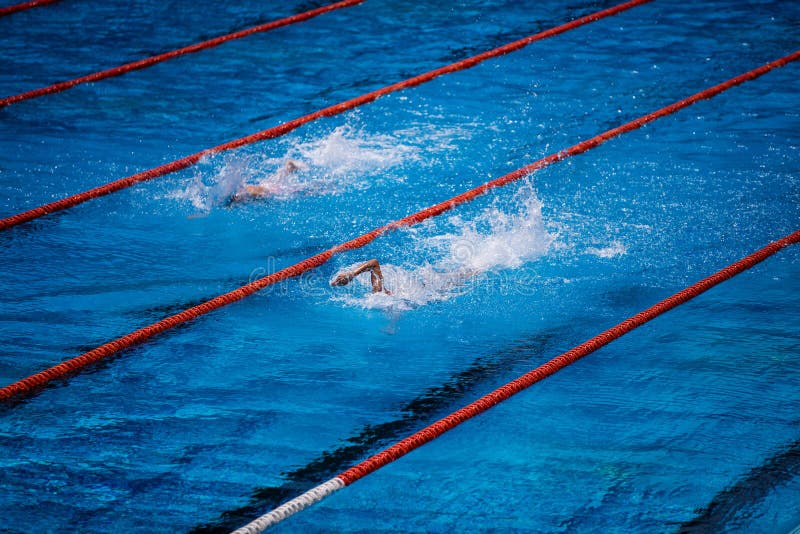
x=289, y=508
x=166, y=56
x=455, y=390
x=433, y=431
x=283, y=129
x=34, y=382
x=24, y=6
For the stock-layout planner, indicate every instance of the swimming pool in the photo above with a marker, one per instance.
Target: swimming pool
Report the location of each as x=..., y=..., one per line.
x=216, y=422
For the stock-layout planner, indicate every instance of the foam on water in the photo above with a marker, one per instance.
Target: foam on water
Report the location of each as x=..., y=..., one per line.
x=614, y=249
x=342, y=160
x=500, y=237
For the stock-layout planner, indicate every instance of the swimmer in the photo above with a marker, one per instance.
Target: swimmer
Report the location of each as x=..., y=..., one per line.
x=434, y=280
x=258, y=191
x=375, y=274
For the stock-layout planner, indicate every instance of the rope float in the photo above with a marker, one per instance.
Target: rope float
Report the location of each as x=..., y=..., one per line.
x=22, y=7
x=507, y=391
x=150, y=61
x=30, y=384
x=287, y=127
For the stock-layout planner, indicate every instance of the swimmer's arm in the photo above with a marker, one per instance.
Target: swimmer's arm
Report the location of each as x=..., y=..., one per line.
x=345, y=278
x=376, y=276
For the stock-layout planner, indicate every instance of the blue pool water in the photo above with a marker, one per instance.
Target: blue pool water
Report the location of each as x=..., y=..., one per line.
x=691, y=422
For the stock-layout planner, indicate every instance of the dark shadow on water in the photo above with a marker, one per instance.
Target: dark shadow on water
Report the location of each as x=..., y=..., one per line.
x=739, y=499
x=416, y=414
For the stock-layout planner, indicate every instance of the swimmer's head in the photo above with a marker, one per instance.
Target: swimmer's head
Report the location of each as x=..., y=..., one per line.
x=292, y=166
x=341, y=279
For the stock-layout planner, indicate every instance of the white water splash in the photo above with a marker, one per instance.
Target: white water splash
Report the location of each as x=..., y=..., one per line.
x=347, y=151
x=496, y=239
x=614, y=249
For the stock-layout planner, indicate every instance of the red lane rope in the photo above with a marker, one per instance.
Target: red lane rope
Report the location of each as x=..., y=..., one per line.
x=28, y=385
x=22, y=7
x=287, y=127
x=556, y=364
x=150, y=61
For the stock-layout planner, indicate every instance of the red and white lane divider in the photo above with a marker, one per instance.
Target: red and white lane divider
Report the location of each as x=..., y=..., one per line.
x=287, y=127
x=30, y=384
x=505, y=392
x=25, y=5
x=150, y=61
